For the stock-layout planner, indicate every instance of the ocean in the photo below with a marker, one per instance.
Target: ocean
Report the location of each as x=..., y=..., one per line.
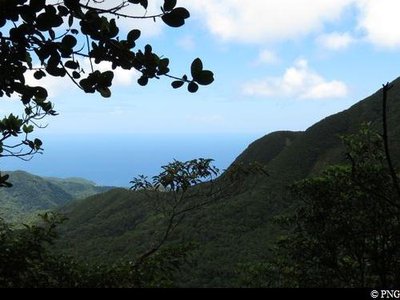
x=114, y=160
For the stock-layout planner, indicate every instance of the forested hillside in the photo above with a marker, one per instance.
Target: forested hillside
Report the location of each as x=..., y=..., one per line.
x=32, y=194
x=239, y=229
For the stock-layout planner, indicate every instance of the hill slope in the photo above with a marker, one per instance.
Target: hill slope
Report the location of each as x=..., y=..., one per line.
x=241, y=228
x=31, y=194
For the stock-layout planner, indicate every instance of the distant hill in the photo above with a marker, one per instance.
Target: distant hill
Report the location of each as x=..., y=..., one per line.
x=77, y=187
x=32, y=194
x=240, y=229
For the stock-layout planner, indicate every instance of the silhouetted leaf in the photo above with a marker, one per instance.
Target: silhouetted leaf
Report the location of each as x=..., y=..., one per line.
x=176, y=17
x=133, y=35
x=204, y=77
x=169, y=5
x=143, y=80
x=177, y=84
x=193, y=87
x=27, y=129
x=76, y=75
x=105, y=92
x=72, y=65
x=37, y=5
x=143, y=3
x=39, y=74
x=196, y=67
x=69, y=41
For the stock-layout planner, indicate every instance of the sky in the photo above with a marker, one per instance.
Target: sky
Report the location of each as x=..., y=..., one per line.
x=278, y=65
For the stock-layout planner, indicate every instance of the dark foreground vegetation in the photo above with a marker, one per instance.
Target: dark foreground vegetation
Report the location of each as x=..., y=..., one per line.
x=327, y=219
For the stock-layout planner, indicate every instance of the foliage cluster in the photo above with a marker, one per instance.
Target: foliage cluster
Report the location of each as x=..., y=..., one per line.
x=26, y=262
x=345, y=231
x=44, y=38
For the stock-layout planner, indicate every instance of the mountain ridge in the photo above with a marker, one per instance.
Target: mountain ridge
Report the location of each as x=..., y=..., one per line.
x=242, y=228
x=32, y=194
x=120, y=223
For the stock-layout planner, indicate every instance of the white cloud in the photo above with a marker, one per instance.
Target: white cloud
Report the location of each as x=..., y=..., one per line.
x=266, y=20
x=121, y=77
x=54, y=85
x=267, y=57
x=336, y=40
x=324, y=90
x=298, y=81
x=380, y=21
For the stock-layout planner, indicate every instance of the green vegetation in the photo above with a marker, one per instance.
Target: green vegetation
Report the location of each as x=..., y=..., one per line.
x=177, y=230
x=241, y=230
x=339, y=201
x=32, y=194
x=26, y=262
x=345, y=230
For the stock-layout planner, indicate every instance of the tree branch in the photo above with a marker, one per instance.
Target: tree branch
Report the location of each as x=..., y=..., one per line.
x=115, y=12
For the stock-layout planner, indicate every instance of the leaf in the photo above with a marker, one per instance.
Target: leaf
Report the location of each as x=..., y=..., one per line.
x=40, y=92
x=193, y=87
x=62, y=10
x=143, y=81
x=143, y=3
x=37, y=5
x=177, y=84
x=196, y=67
x=176, y=17
x=163, y=63
x=72, y=65
x=70, y=20
x=105, y=92
x=3, y=181
x=76, y=75
x=69, y=41
x=204, y=77
x=148, y=49
x=27, y=129
x=72, y=4
x=38, y=143
x=39, y=74
x=86, y=85
x=106, y=78
x=169, y=5
x=133, y=35
x=52, y=34
x=163, y=66
x=27, y=14
x=181, y=12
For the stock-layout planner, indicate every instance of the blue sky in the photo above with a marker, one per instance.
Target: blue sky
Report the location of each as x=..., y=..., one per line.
x=278, y=64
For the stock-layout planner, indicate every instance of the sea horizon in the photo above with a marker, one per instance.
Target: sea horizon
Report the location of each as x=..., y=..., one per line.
x=114, y=160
